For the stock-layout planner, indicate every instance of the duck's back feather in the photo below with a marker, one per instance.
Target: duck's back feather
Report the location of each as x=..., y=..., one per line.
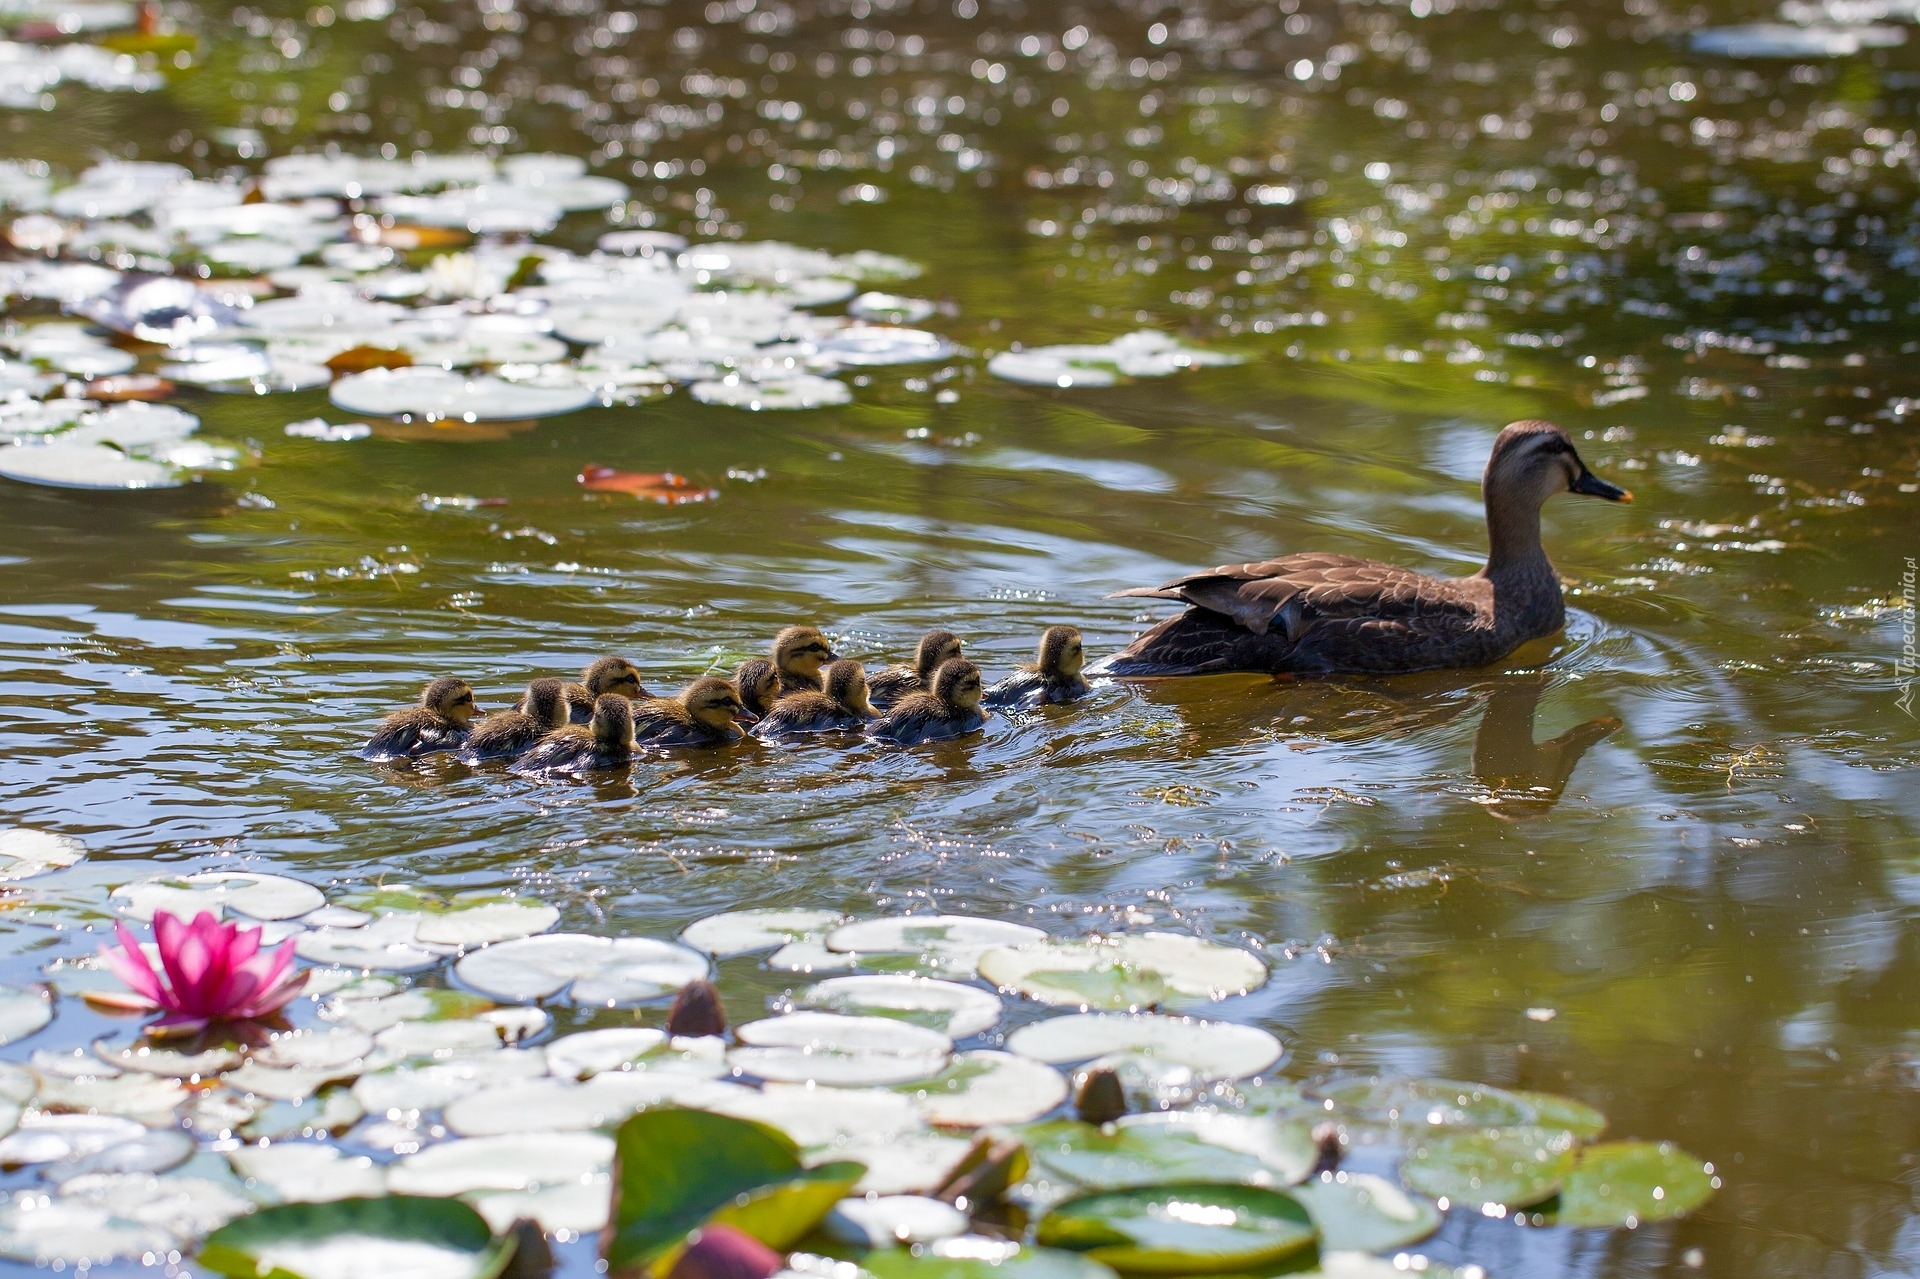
x=414, y=731
x=502, y=736
x=921, y=717
x=1030, y=689
x=885, y=689
x=660, y=724
x=806, y=713
x=568, y=750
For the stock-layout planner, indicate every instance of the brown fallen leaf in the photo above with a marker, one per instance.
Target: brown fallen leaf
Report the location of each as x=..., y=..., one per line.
x=130, y=386
x=648, y=486
x=361, y=358
x=408, y=238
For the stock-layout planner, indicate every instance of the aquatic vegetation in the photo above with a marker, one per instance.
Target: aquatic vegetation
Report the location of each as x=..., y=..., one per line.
x=209, y=971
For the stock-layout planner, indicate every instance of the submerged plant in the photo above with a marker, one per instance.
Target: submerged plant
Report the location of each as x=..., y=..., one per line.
x=212, y=972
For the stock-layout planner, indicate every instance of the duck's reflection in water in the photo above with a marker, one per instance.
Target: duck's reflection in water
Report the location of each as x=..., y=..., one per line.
x=1525, y=778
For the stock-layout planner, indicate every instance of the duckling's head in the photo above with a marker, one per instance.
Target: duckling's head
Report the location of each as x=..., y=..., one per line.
x=545, y=703
x=957, y=685
x=936, y=648
x=612, y=722
x=612, y=675
x=450, y=698
x=846, y=682
x=802, y=651
x=1532, y=461
x=1061, y=651
x=712, y=703
x=757, y=683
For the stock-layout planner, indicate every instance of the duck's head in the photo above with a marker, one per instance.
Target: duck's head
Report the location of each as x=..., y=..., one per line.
x=712, y=703
x=957, y=685
x=757, y=683
x=936, y=648
x=802, y=651
x=846, y=682
x=545, y=703
x=451, y=699
x=612, y=722
x=1061, y=651
x=1532, y=461
x=612, y=675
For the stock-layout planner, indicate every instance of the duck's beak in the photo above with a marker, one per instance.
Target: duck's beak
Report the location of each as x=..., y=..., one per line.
x=831, y=656
x=1592, y=485
x=741, y=715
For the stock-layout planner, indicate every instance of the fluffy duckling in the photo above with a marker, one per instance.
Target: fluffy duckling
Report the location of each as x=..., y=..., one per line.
x=889, y=686
x=758, y=684
x=605, y=741
x=438, y=723
x=510, y=734
x=707, y=713
x=951, y=709
x=1053, y=679
x=608, y=675
x=842, y=706
x=798, y=654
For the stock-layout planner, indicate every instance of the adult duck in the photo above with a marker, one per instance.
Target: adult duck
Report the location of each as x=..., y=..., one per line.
x=1323, y=614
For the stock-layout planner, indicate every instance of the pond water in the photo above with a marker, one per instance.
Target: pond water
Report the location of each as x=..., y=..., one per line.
x=1668, y=864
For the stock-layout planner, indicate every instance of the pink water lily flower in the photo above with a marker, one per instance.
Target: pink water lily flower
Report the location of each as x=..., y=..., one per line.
x=213, y=972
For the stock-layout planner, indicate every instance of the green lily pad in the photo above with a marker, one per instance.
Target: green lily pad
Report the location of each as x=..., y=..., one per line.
x=976, y=1258
x=675, y=1169
x=1123, y=973
x=1550, y=1110
x=1513, y=1167
x=1630, y=1183
x=1069, y=1155
x=1445, y=1103
x=1188, y=1228
x=430, y=1238
x=1359, y=1212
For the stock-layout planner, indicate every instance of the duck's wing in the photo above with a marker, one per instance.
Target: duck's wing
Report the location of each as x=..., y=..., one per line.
x=887, y=687
x=1017, y=692
x=1294, y=592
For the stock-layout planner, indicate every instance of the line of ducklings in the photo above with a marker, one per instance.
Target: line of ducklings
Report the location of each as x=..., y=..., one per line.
x=802, y=688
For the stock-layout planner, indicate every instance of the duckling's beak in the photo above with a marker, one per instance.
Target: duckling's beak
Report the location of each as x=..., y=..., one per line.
x=830, y=657
x=1592, y=485
x=741, y=715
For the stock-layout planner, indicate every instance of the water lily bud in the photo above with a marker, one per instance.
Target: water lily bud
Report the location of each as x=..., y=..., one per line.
x=697, y=1011
x=722, y=1252
x=1331, y=1145
x=1101, y=1099
x=532, y=1258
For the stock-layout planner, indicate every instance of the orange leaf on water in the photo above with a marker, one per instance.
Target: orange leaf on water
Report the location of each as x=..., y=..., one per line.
x=408, y=238
x=129, y=386
x=648, y=486
x=361, y=358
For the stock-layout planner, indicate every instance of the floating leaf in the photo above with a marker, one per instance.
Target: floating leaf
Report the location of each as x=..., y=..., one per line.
x=558, y=1105
x=153, y=1150
x=436, y=394
x=149, y=1060
x=428, y=1086
x=594, y=1052
x=462, y=920
x=877, y=344
x=331, y=1110
x=1189, y=1228
x=1359, y=1212
x=1205, y=1049
x=302, y=1172
x=25, y=852
x=954, y=1010
x=951, y=944
x=1550, y=1110
x=797, y=391
x=1434, y=1102
x=23, y=1011
x=973, y=1257
x=44, y=1137
x=350, y=1238
x=665, y=487
x=251, y=893
x=886, y=1221
x=1066, y=1153
x=983, y=1087
x=829, y=1048
x=1512, y=1167
x=914, y=1163
x=518, y=1162
x=1122, y=973
x=741, y=932
x=1631, y=1183
x=591, y=970
x=358, y=359
x=803, y=1113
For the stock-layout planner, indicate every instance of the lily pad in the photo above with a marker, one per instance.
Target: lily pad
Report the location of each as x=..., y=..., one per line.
x=558, y=1105
x=377, y=1012
x=826, y=1121
x=1550, y=1110
x=428, y=1086
x=23, y=1011
x=1446, y=1103
x=829, y=1048
x=974, y=1257
x=949, y=944
x=329, y=1111
x=172, y=1064
x=795, y=391
x=741, y=932
x=810, y=956
x=1512, y=1167
x=983, y=1087
x=912, y=1163
x=250, y=893
x=391, y=944
x=25, y=852
x=1189, y=1228
x=517, y=1162
x=305, y=1172
x=1359, y=1212
x=876, y=344
x=628, y=1048
x=1123, y=973
x=65, y=464
x=1283, y=1145
x=887, y=1221
x=1207, y=1049
x=439, y=394
x=954, y=1010
x=591, y=970
x=463, y=920
x=153, y=1150
x=1067, y=1155
x=1631, y=1183
x=353, y=1238
x=44, y=1137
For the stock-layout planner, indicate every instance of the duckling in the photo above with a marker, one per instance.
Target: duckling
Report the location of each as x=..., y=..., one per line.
x=542, y=708
x=798, y=654
x=758, y=684
x=707, y=713
x=843, y=706
x=896, y=682
x=1053, y=679
x=438, y=723
x=951, y=709
x=608, y=675
x=605, y=741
